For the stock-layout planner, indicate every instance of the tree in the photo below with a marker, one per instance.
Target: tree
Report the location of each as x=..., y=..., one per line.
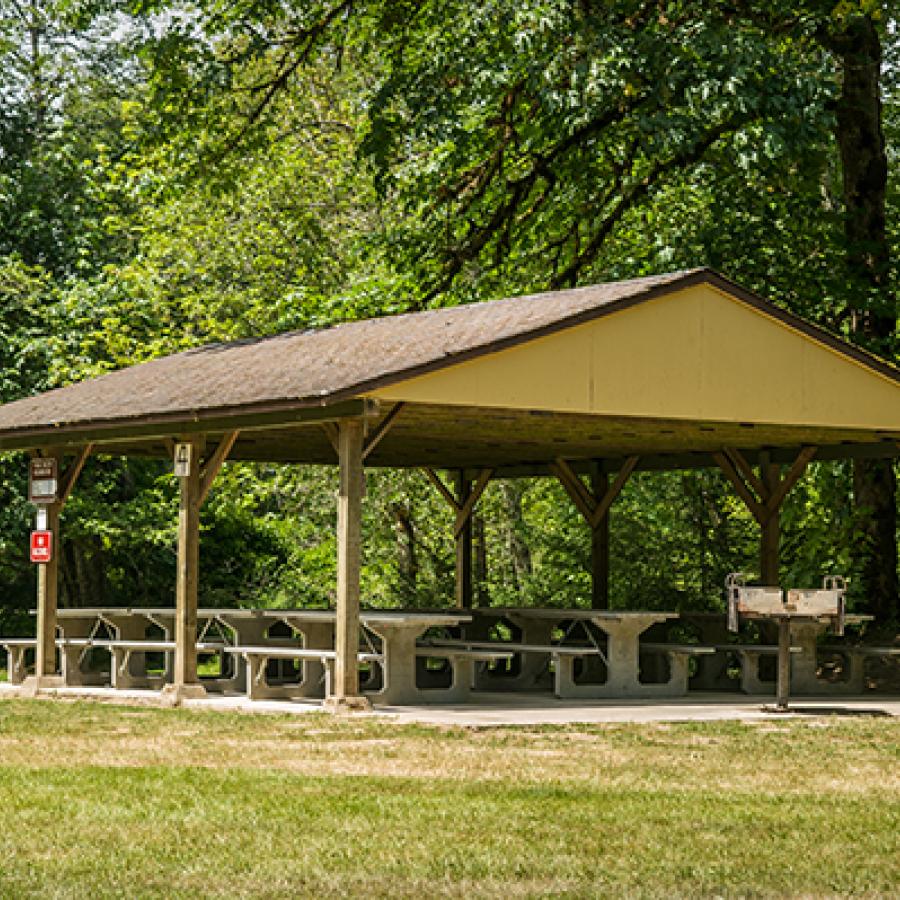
x=517, y=140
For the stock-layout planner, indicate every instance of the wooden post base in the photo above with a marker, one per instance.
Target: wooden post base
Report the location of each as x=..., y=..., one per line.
x=34, y=684
x=347, y=705
x=176, y=694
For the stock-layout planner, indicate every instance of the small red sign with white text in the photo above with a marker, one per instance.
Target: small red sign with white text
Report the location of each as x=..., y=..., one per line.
x=41, y=546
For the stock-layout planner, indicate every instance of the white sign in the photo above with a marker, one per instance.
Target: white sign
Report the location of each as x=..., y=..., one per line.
x=183, y=453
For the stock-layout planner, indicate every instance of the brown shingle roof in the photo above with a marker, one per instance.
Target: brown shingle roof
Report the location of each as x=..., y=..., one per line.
x=315, y=368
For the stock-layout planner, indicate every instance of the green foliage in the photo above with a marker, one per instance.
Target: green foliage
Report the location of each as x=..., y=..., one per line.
x=176, y=175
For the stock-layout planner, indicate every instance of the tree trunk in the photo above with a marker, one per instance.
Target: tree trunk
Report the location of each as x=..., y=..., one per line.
x=860, y=137
x=519, y=553
x=479, y=568
x=408, y=562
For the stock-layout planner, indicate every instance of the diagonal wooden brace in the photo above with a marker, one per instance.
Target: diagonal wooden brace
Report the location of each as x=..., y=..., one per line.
x=67, y=482
x=593, y=508
x=464, y=511
x=214, y=464
x=762, y=501
x=605, y=502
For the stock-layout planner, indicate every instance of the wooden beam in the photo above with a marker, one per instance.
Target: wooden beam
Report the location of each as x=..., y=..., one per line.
x=575, y=488
x=345, y=690
x=443, y=490
x=187, y=575
x=606, y=501
x=214, y=464
x=760, y=513
x=739, y=461
x=600, y=545
x=688, y=461
x=382, y=429
x=776, y=498
x=67, y=481
x=463, y=546
x=466, y=509
x=185, y=422
x=770, y=534
x=331, y=432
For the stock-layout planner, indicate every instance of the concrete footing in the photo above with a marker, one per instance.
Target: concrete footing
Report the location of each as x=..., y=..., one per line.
x=346, y=705
x=176, y=694
x=33, y=684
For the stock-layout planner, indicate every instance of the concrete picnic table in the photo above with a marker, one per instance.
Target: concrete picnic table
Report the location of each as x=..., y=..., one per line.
x=623, y=629
x=397, y=631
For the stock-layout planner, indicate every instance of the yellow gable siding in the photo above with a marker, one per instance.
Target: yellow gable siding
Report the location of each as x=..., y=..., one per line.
x=696, y=354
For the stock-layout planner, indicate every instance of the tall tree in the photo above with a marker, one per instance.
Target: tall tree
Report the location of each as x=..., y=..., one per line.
x=519, y=139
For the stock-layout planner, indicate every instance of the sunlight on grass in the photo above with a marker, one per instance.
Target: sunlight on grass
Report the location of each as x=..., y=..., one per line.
x=115, y=801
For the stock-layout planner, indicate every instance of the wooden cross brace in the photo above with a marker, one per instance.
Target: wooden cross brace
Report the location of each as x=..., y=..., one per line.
x=68, y=479
x=762, y=501
x=593, y=508
x=375, y=438
x=212, y=465
x=465, y=508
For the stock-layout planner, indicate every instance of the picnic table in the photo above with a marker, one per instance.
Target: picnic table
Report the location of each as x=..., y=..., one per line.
x=389, y=635
x=621, y=655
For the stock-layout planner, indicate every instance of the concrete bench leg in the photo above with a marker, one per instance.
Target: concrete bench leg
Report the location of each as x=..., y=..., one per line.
x=750, y=680
x=462, y=676
x=314, y=674
x=678, y=673
x=72, y=672
x=123, y=677
x=16, y=670
x=257, y=686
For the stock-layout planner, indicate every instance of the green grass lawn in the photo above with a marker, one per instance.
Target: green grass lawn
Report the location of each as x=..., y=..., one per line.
x=102, y=800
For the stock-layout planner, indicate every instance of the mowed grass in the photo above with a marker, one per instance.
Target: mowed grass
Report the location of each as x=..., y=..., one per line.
x=101, y=800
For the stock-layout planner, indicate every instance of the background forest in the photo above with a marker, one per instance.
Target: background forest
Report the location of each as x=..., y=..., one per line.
x=177, y=174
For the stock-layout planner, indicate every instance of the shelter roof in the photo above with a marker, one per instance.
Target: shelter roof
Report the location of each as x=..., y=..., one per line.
x=277, y=383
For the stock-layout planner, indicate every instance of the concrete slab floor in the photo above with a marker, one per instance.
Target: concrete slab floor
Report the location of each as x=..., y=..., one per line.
x=498, y=710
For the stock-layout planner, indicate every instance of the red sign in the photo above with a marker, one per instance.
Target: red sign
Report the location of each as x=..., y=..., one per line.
x=41, y=546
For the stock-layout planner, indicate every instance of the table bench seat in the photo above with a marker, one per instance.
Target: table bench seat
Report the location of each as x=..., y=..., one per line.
x=748, y=656
x=860, y=649
x=256, y=658
x=509, y=647
x=120, y=650
x=16, y=668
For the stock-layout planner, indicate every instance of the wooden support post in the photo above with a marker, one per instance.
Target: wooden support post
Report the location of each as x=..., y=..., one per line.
x=763, y=496
x=463, y=503
x=463, y=546
x=345, y=695
x=45, y=674
x=185, y=684
x=600, y=544
x=594, y=505
x=770, y=538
